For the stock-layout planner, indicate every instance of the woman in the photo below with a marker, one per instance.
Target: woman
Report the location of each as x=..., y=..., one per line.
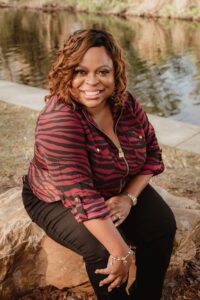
x=88, y=183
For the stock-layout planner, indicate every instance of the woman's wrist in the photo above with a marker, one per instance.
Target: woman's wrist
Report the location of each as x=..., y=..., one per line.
x=131, y=198
x=121, y=251
x=124, y=259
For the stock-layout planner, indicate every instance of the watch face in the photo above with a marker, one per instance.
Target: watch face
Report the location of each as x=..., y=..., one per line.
x=133, y=198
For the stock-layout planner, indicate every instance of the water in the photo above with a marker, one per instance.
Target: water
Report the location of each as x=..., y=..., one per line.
x=163, y=55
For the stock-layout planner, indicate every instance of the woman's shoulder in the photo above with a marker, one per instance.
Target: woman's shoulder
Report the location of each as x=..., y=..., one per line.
x=58, y=113
x=55, y=104
x=58, y=107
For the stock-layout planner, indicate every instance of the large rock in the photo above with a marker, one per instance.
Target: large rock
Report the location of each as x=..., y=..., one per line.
x=29, y=259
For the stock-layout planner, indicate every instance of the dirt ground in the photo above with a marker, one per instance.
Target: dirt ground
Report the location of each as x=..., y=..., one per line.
x=181, y=177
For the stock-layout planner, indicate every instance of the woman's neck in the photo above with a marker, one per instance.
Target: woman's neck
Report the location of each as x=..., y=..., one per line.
x=100, y=111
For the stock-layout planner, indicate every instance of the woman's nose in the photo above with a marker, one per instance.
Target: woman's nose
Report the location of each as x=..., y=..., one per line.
x=92, y=79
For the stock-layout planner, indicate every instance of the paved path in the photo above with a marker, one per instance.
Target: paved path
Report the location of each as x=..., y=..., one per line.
x=169, y=132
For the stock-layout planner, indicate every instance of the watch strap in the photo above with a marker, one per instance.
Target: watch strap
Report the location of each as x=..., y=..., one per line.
x=131, y=196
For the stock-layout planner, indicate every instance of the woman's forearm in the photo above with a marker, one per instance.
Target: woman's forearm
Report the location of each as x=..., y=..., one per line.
x=106, y=232
x=137, y=184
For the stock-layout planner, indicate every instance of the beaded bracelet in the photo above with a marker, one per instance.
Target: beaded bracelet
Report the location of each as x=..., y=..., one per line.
x=122, y=258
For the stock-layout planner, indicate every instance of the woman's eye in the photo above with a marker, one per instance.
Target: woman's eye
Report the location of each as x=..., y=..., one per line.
x=80, y=72
x=103, y=72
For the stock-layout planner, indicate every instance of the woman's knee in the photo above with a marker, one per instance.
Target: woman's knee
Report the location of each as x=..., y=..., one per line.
x=159, y=211
x=152, y=218
x=168, y=226
x=172, y=227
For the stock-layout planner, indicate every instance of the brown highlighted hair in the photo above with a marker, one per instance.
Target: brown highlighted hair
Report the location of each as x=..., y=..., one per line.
x=69, y=57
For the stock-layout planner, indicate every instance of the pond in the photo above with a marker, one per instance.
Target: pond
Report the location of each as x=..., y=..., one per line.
x=163, y=55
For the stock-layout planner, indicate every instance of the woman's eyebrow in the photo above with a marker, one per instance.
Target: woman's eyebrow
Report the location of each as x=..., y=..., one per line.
x=102, y=66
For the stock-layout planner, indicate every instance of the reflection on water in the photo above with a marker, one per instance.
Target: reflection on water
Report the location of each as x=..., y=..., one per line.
x=163, y=55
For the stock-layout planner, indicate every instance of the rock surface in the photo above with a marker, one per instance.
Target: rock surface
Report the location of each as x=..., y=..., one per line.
x=29, y=259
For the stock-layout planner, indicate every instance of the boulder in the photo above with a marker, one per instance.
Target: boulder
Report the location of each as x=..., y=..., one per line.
x=30, y=259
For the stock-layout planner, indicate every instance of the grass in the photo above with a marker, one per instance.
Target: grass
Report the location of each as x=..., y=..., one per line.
x=168, y=9
x=16, y=143
x=194, y=11
x=97, y=6
x=182, y=173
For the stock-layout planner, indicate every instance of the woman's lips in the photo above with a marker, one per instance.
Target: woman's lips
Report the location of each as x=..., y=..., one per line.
x=91, y=94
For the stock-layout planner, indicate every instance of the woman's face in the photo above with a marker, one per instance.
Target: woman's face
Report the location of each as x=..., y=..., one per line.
x=93, y=78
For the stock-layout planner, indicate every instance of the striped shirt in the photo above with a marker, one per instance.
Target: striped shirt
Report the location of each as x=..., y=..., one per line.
x=76, y=163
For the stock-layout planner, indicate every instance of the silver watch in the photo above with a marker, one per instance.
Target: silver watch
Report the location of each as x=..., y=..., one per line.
x=132, y=197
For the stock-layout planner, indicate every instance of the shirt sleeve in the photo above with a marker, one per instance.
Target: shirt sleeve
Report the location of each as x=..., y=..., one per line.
x=154, y=163
x=61, y=139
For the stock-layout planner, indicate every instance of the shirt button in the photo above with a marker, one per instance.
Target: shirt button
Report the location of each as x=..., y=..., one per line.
x=140, y=136
x=77, y=200
x=98, y=150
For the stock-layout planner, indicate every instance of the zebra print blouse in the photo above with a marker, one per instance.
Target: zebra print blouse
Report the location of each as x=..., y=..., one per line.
x=74, y=162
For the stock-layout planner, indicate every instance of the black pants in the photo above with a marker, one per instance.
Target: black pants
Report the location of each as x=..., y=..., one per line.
x=150, y=226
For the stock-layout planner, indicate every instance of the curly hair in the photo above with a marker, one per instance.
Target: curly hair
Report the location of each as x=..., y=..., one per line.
x=62, y=71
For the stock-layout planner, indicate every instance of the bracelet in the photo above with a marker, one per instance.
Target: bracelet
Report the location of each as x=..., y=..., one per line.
x=122, y=258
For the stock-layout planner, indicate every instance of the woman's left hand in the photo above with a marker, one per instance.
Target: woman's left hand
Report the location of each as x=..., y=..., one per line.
x=116, y=271
x=120, y=207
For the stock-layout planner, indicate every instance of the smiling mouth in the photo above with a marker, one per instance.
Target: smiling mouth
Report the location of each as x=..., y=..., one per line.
x=91, y=94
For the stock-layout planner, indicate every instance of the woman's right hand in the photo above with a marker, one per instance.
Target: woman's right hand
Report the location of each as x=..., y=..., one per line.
x=117, y=272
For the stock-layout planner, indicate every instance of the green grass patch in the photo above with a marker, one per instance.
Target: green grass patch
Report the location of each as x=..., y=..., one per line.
x=193, y=11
